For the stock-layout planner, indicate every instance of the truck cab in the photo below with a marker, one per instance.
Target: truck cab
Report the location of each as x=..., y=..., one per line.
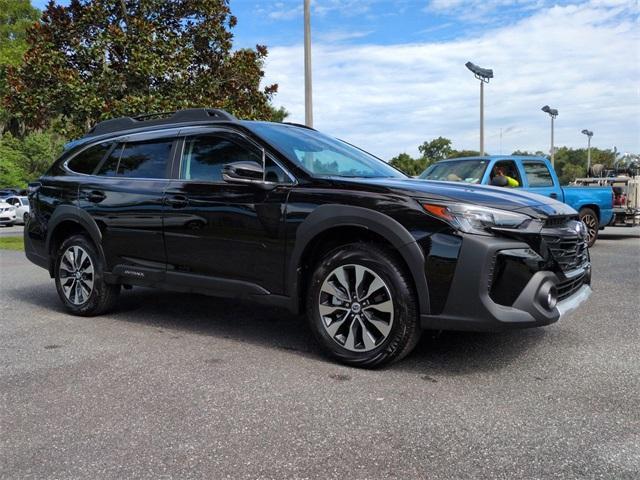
x=532, y=174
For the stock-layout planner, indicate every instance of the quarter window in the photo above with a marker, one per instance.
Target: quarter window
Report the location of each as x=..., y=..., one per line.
x=538, y=174
x=204, y=156
x=138, y=160
x=87, y=161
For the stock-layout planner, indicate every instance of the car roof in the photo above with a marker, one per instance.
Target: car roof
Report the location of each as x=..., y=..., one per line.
x=496, y=157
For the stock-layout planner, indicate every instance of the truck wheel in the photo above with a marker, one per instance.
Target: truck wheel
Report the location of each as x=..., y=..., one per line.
x=79, y=278
x=590, y=220
x=361, y=306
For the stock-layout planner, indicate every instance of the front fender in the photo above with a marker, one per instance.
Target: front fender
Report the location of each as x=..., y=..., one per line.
x=330, y=216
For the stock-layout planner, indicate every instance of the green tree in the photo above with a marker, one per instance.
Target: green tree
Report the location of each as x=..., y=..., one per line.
x=98, y=59
x=25, y=159
x=463, y=153
x=15, y=18
x=436, y=150
x=409, y=165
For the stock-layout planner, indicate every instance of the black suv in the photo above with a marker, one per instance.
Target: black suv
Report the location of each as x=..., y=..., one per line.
x=282, y=214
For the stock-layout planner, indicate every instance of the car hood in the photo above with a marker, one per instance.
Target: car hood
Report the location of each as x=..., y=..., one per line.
x=5, y=205
x=511, y=199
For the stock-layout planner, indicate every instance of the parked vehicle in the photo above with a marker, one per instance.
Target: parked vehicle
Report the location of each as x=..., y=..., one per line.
x=532, y=174
x=21, y=205
x=626, y=197
x=284, y=215
x=7, y=214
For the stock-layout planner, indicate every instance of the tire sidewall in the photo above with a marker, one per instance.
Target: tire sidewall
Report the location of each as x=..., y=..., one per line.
x=589, y=212
x=403, y=304
x=92, y=304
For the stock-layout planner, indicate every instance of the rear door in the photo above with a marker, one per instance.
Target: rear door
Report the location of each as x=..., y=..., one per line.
x=125, y=198
x=539, y=179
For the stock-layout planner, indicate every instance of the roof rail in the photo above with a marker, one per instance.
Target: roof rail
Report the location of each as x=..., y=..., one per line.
x=179, y=116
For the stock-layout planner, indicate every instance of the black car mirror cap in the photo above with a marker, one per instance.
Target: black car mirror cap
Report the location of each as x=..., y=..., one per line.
x=244, y=172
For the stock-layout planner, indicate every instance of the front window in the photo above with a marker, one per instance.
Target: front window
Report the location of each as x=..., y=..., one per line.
x=468, y=171
x=321, y=155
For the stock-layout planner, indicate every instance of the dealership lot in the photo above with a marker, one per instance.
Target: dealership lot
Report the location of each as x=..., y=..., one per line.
x=185, y=386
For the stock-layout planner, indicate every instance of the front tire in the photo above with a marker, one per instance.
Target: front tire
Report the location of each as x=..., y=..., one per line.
x=80, y=280
x=590, y=220
x=361, y=306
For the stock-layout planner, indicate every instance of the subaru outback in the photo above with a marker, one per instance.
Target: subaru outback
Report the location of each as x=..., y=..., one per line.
x=282, y=214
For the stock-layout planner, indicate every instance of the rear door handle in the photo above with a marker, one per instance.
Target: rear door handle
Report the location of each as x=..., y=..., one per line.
x=95, y=196
x=177, y=201
x=553, y=195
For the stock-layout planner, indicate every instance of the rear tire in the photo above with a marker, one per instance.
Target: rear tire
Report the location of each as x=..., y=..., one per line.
x=79, y=278
x=590, y=220
x=362, y=307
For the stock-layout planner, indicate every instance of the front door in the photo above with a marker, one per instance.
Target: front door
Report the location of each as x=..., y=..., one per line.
x=217, y=233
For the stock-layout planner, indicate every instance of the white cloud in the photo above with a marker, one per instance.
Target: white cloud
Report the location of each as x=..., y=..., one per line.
x=583, y=60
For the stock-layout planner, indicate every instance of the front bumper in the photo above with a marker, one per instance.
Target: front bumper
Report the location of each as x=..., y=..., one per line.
x=472, y=305
x=4, y=219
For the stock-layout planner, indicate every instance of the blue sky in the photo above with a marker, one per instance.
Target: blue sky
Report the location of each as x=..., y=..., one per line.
x=390, y=74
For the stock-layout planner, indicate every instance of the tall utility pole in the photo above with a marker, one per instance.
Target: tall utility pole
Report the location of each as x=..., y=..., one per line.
x=589, y=134
x=482, y=74
x=553, y=113
x=308, y=95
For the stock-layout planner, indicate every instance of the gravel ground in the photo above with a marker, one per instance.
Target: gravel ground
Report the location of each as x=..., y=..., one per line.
x=185, y=386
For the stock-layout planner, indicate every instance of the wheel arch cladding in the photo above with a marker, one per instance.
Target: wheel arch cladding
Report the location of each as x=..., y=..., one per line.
x=327, y=217
x=68, y=220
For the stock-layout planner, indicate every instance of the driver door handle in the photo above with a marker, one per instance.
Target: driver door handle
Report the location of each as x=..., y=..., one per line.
x=553, y=195
x=96, y=196
x=177, y=201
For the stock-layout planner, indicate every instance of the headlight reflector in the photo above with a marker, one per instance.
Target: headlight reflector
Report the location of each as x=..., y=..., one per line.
x=474, y=218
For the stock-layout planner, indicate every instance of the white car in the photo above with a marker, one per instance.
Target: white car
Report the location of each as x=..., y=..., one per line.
x=21, y=205
x=7, y=213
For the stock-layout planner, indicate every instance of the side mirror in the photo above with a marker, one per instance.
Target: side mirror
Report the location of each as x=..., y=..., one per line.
x=243, y=172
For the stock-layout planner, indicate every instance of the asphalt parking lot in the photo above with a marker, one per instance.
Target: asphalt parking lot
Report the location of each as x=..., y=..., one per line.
x=185, y=386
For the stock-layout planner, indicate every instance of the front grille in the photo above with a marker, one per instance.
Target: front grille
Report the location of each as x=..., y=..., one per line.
x=570, y=252
x=558, y=221
x=570, y=286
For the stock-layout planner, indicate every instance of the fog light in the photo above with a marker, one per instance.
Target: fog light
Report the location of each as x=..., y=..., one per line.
x=548, y=296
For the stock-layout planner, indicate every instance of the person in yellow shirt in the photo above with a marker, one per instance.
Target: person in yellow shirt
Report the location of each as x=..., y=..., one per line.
x=499, y=179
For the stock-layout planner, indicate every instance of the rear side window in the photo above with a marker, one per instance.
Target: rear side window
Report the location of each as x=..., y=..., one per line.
x=86, y=162
x=538, y=174
x=204, y=156
x=138, y=160
x=145, y=159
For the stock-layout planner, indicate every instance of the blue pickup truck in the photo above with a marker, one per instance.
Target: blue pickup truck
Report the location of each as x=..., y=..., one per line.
x=533, y=174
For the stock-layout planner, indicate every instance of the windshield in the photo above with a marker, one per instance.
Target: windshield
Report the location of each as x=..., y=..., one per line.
x=321, y=155
x=469, y=171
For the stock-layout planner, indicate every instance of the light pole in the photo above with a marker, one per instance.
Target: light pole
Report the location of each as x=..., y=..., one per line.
x=308, y=96
x=589, y=134
x=482, y=74
x=553, y=113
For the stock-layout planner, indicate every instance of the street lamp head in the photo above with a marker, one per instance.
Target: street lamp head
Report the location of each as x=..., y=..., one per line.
x=483, y=74
x=551, y=111
x=588, y=133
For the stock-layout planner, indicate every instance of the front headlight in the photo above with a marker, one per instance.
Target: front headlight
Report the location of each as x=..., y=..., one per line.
x=474, y=218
